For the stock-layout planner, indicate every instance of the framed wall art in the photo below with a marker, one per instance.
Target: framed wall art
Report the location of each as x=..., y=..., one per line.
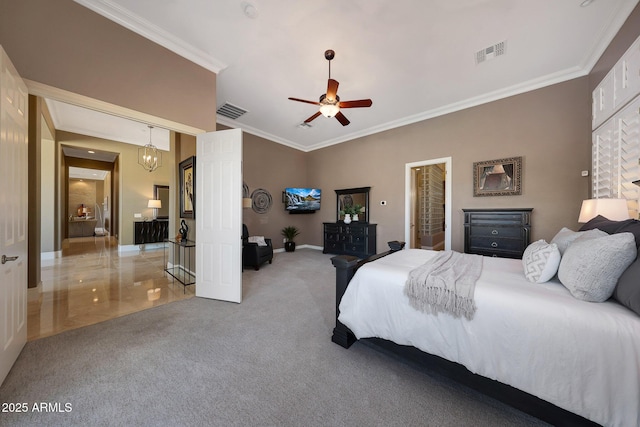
x=502, y=177
x=187, y=172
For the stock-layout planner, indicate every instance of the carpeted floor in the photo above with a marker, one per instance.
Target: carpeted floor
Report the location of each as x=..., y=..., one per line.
x=266, y=362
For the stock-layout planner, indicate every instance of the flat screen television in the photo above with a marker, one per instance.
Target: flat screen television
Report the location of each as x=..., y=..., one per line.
x=302, y=200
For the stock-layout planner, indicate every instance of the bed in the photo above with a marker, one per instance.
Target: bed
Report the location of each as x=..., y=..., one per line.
x=533, y=345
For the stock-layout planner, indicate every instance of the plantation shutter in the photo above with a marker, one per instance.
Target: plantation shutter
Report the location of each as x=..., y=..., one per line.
x=616, y=154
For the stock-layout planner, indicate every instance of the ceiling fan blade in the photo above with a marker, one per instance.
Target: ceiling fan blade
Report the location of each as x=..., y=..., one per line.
x=304, y=100
x=332, y=89
x=356, y=104
x=342, y=119
x=312, y=117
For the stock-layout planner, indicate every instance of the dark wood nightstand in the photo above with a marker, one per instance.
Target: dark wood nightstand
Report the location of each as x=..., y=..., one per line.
x=497, y=232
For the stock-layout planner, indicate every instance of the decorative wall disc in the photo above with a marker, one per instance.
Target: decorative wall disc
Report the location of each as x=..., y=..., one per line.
x=261, y=201
x=245, y=190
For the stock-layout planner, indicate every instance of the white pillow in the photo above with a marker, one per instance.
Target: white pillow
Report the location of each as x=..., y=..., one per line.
x=257, y=239
x=590, y=268
x=565, y=237
x=541, y=261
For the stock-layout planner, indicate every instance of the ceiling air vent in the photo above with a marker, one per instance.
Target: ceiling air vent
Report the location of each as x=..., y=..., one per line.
x=491, y=52
x=230, y=111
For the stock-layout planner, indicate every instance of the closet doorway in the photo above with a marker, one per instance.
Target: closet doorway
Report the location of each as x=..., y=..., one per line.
x=428, y=204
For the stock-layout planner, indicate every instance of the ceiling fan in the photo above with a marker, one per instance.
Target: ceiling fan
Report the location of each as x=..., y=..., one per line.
x=330, y=103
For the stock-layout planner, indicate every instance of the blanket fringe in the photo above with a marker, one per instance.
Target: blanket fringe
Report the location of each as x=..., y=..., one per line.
x=439, y=300
x=445, y=283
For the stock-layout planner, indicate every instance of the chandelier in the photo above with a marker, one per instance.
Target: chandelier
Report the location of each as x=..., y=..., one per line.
x=149, y=157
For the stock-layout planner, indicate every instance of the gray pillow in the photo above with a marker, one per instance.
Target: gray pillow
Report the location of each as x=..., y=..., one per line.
x=627, y=290
x=565, y=237
x=591, y=267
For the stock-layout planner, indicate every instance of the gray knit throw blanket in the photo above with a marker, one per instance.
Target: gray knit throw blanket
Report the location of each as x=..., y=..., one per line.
x=446, y=282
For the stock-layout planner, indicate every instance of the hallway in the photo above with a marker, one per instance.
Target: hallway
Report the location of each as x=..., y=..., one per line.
x=91, y=283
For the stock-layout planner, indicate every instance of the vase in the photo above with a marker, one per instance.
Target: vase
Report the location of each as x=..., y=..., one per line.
x=355, y=217
x=347, y=218
x=290, y=246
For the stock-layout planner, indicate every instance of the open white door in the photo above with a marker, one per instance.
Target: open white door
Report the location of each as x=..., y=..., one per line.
x=219, y=215
x=13, y=214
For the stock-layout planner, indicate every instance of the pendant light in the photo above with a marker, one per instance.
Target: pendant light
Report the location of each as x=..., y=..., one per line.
x=149, y=157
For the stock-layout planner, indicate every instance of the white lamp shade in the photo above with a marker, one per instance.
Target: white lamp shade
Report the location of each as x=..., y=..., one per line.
x=612, y=209
x=156, y=204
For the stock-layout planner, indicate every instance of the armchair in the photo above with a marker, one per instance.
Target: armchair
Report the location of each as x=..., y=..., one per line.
x=254, y=255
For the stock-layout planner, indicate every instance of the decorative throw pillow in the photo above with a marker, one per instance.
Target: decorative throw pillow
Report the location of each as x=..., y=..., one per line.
x=627, y=290
x=541, y=261
x=565, y=237
x=591, y=267
x=257, y=239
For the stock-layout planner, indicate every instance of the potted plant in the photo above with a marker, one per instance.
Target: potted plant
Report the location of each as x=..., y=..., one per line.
x=351, y=213
x=289, y=233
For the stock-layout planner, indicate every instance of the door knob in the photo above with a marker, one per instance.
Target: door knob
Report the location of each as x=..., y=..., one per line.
x=5, y=258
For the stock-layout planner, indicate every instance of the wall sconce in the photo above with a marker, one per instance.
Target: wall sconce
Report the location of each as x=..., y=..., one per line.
x=246, y=202
x=155, y=205
x=612, y=209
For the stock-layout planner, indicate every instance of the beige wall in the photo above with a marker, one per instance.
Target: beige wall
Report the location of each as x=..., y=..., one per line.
x=548, y=127
x=48, y=196
x=83, y=193
x=273, y=167
x=136, y=184
x=72, y=48
x=65, y=45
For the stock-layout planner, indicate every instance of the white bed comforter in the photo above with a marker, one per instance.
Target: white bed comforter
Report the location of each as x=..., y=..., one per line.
x=583, y=357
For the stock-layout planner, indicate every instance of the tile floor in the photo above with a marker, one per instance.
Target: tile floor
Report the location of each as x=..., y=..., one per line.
x=91, y=283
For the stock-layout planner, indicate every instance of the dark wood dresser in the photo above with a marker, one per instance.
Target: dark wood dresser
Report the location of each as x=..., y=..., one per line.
x=357, y=239
x=497, y=232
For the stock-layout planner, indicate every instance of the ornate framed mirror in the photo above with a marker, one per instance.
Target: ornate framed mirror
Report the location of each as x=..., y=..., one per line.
x=353, y=198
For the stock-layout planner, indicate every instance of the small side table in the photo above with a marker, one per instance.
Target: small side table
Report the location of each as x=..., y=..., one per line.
x=181, y=268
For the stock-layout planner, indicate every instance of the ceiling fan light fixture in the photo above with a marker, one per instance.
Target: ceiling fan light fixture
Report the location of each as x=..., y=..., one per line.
x=329, y=110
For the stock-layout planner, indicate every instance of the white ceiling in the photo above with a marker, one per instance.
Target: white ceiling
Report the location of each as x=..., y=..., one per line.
x=414, y=58
x=91, y=174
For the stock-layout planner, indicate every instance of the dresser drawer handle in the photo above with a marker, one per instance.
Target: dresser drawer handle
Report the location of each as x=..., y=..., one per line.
x=494, y=232
x=494, y=244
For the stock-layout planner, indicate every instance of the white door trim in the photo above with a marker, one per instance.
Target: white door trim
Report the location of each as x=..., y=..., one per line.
x=447, y=191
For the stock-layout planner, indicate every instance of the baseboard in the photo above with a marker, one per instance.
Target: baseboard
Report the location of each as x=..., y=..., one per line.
x=314, y=247
x=47, y=256
x=125, y=250
x=317, y=248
